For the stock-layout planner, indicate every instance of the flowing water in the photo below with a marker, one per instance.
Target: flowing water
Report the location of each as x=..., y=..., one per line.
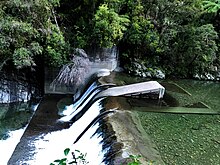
x=50, y=131
x=181, y=137
x=12, y=130
x=50, y=146
x=35, y=146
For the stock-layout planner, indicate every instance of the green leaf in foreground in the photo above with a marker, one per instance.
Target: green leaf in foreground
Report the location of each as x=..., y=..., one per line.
x=66, y=151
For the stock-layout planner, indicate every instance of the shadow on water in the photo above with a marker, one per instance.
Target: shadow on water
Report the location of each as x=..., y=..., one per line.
x=47, y=136
x=181, y=96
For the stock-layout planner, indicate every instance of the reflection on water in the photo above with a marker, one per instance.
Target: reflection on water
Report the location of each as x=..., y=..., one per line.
x=182, y=138
x=12, y=129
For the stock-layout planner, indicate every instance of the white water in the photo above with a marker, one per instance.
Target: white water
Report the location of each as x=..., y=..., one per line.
x=7, y=146
x=70, y=109
x=75, y=112
x=50, y=147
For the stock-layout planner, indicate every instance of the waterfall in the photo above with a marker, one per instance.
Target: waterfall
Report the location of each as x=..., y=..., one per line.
x=74, y=106
x=77, y=109
x=49, y=146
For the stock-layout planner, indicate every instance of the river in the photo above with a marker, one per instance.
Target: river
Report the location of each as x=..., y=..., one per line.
x=182, y=128
x=185, y=125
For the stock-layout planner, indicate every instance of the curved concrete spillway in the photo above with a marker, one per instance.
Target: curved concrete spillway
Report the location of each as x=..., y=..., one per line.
x=45, y=139
x=134, y=89
x=76, y=110
x=102, y=91
x=44, y=131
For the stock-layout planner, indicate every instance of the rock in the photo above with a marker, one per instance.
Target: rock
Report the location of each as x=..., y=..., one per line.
x=197, y=77
x=81, y=53
x=159, y=74
x=148, y=74
x=141, y=70
x=119, y=69
x=218, y=74
x=103, y=72
x=209, y=76
x=214, y=68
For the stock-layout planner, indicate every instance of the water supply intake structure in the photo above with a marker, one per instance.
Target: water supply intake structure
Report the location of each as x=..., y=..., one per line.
x=74, y=117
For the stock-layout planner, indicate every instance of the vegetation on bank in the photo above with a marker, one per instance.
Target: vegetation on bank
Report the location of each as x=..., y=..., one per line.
x=180, y=37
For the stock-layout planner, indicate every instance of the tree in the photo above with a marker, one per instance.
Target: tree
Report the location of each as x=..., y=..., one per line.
x=211, y=6
x=109, y=26
x=160, y=33
x=29, y=30
x=185, y=40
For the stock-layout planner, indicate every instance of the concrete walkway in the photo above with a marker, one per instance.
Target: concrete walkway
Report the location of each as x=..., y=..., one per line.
x=134, y=89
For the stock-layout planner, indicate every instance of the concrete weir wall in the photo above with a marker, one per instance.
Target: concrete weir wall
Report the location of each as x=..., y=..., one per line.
x=106, y=58
x=13, y=97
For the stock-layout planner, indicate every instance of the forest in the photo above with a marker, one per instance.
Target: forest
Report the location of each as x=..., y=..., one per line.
x=179, y=37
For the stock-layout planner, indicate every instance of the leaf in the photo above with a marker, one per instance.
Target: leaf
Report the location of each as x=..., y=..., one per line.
x=58, y=160
x=134, y=163
x=63, y=160
x=72, y=162
x=66, y=151
x=77, y=150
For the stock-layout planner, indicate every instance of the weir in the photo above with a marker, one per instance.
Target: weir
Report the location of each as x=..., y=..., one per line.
x=79, y=118
x=106, y=90
x=45, y=139
x=134, y=89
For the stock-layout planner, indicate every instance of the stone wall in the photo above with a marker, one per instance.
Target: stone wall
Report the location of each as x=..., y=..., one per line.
x=102, y=58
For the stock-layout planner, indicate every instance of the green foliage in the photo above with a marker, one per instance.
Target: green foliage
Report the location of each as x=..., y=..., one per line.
x=142, y=38
x=211, y=6
x=186, y=42
x=18, y=42
x=192, y=49
x=77, y=158
x=29, y=30
x=57, y=48
x=163, y=34
x=80, y=158
x=66, y=151
x=134, y=160
x=109, y=26
x=22, y=57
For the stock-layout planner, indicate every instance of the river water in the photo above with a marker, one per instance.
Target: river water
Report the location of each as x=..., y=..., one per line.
x=47, y=135
x=188, y=138
x=185, y=124
x=182, y=132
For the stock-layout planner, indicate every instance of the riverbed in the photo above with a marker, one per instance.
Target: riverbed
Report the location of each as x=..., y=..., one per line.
x=181, y=128
x=174, y=130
